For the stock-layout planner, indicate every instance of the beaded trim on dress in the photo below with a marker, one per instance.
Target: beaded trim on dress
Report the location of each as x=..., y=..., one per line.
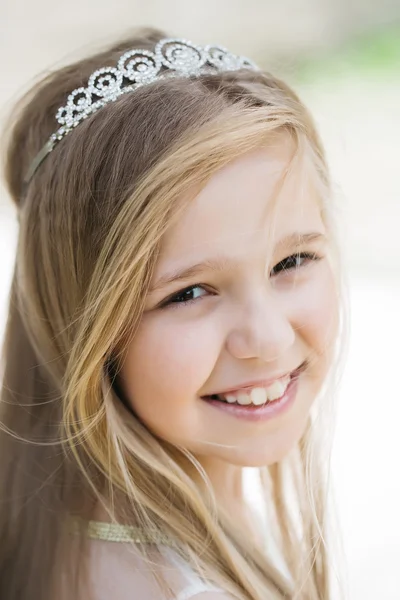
x=114, y=532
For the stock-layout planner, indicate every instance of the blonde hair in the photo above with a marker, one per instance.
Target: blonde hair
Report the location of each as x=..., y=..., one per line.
x=91, y=221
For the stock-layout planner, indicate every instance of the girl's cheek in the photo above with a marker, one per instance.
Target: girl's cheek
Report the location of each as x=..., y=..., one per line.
x=174, y=354
x=315, y=311
x=166, y=367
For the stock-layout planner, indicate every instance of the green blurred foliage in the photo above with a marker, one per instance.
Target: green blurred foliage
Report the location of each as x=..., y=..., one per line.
x=376, y=53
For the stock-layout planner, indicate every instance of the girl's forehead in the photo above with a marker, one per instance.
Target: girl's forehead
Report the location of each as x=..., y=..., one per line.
x=253, y=197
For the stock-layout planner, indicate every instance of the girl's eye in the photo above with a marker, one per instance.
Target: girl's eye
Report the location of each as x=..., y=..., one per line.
x=186, y=296
x=294, y=262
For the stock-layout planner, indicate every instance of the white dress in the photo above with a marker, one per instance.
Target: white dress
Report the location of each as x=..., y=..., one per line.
x=118, y=572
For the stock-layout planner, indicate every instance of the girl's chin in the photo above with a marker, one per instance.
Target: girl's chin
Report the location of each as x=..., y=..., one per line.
x=267, y=453
x=259, y=460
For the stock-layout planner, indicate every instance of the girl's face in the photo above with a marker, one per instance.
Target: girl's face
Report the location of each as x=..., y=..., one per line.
x=241, y=312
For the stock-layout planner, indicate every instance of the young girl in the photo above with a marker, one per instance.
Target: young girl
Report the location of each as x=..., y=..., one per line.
x=175, y=316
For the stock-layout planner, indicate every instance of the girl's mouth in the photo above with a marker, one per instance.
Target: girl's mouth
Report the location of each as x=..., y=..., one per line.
x=259, y=403
x=256, y=395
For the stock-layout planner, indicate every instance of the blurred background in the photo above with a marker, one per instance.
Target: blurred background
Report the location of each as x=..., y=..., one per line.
x=343, y=58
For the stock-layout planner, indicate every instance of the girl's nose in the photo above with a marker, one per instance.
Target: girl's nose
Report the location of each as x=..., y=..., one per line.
x=261, y=329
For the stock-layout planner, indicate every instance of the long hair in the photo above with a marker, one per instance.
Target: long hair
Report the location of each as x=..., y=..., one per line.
x=90, y=225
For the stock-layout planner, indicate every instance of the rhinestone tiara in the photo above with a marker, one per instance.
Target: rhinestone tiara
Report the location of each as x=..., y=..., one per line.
x=135, y=68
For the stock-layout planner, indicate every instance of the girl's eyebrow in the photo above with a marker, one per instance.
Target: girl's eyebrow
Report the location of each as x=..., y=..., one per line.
x=222, y=263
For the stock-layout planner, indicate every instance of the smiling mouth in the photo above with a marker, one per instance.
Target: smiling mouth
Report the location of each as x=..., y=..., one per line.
x=257, y=395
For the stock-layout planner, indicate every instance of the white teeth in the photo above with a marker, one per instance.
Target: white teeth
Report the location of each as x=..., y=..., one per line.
x=230, y=398
x=258, y=396
x=243, y=399
x=276, y=390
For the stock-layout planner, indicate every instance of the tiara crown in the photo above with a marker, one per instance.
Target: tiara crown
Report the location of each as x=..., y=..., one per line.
x=136, y=68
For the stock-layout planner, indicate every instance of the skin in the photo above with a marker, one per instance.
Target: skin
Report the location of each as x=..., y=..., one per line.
x=244, y=323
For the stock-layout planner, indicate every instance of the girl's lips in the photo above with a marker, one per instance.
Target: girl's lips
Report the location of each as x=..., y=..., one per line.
x=263, y=383
x=265, y=412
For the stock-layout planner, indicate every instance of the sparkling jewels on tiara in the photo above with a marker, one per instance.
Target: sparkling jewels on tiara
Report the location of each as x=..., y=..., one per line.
x=135, y=68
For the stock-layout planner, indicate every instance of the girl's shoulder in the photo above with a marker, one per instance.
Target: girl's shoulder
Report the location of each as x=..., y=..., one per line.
x=118, y=571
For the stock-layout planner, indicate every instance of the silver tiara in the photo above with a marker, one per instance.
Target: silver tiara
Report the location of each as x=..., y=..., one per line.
x=135, y=68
